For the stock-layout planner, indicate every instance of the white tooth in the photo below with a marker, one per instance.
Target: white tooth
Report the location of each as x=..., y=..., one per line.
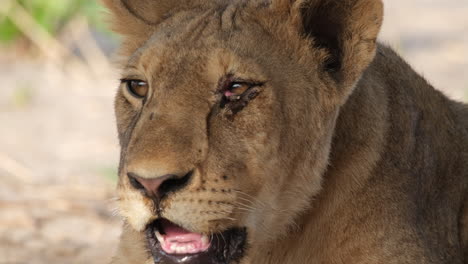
x=180, y=249
x=173, y=248
x=205, y=240
x=159, y=237
x=161, y=240
x=190, y=249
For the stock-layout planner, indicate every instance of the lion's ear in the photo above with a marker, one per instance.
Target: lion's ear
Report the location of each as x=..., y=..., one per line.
x=135, y=17
x=347, y=29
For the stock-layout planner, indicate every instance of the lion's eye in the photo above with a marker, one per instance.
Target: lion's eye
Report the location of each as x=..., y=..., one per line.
x=137, y=88
x=237, y=94
x=235, y=90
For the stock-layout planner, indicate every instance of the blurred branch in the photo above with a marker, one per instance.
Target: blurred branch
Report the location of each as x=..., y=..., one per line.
x=16, y=169
x=79, y=33
x=41, y=38
x=4, y=9
x=46, y=43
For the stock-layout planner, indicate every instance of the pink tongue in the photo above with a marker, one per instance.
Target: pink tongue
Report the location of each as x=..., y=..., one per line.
x=177, y=240
x=178, y=234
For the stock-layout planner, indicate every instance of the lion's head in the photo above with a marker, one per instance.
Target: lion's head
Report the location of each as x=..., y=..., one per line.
x=226, y=113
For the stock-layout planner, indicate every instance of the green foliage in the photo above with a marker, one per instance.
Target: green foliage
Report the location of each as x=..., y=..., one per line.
x=8, y=31
x=52, y=15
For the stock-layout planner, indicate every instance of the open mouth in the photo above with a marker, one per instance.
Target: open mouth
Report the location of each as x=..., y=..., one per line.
x=170, y=243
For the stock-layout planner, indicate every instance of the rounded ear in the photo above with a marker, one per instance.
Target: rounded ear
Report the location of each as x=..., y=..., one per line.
x=136, y=20
x=136, y=17
x=347, y=29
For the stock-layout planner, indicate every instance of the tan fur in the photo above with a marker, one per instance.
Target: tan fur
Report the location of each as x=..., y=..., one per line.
x=345, y=156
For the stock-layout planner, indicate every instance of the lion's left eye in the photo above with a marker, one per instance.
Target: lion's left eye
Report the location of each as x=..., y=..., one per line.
x=235, y=90
x=237, y=94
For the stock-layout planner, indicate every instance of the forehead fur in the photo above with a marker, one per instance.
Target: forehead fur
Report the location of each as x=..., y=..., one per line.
x=136, y=20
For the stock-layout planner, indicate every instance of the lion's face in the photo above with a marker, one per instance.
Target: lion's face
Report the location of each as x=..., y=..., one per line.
x=225, y=118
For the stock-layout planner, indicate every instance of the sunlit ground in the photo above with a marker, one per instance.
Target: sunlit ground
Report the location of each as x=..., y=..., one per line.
x=58, y=143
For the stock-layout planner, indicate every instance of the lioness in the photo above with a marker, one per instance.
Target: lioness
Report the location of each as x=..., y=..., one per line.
x=281, y=132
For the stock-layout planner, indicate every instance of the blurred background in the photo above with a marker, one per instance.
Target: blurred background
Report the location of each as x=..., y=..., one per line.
x=58, y=143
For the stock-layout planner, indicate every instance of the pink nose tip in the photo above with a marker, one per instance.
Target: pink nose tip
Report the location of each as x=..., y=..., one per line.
x=150, y=185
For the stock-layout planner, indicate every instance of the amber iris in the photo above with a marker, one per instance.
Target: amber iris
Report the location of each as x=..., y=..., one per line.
x=137, y=88
x=238, y=88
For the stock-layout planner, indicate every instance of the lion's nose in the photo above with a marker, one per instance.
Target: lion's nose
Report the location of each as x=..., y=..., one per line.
x=158, y=187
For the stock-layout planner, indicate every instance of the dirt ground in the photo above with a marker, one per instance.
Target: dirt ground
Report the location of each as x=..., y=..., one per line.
x=59, y=149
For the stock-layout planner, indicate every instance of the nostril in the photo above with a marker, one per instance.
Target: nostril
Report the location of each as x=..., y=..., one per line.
x=134, y=181
x=159, y=187
x=174, y=184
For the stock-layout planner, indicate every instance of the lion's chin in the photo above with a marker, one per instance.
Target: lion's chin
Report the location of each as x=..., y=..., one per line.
x=169, y=243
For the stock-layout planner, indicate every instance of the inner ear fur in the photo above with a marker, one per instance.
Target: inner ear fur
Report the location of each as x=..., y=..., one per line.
x=347, y=29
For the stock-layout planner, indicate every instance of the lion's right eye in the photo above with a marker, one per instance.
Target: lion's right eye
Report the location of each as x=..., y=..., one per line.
x=136, y=88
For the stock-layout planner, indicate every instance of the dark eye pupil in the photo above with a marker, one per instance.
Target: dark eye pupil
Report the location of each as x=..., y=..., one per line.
x=137, y=88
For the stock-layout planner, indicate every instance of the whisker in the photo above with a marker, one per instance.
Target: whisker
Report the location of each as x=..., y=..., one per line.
x=245, y=209
x=258, y=201
x=250, y=196
x=113, y=199
x=217, y=240
x=225, y=218
x=246, y=206
x=115, y=211
x=219, y=213
x=245, y=199
x=223, y=239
